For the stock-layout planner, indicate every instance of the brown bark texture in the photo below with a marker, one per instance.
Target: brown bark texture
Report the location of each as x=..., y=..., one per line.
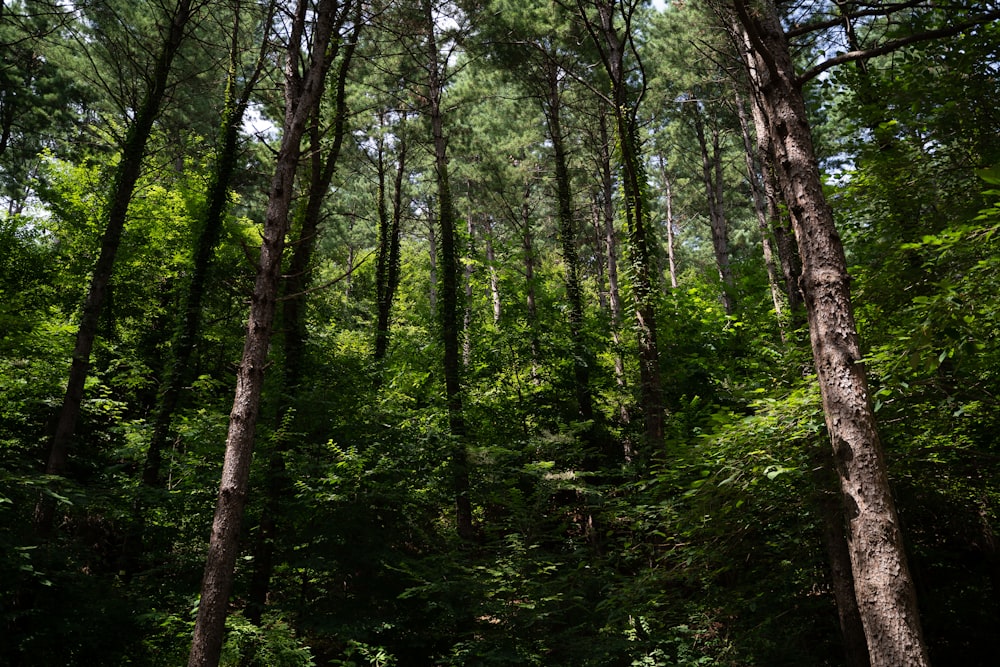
x=883, y=586
x=301, y=91
x=760, y=209
x=322, y=166
x=711, y=176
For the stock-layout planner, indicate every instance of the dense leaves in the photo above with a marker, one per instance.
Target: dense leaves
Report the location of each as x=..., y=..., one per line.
x=585, y=546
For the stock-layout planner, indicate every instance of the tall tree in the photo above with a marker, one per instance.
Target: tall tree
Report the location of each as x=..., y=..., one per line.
x=611, y=29
x=322, y=163
x=240, y=85
x=883, y=585
x=311, y=28
x=449, y=272
x=177, y=16
x=389, y=227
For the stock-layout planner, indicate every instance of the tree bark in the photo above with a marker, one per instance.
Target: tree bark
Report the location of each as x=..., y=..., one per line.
x=711, y=176
x=491, y=265
x=784, y=240
x=552, y=107
x=669, y=222
x=883, y=585
x=120, y=196
x=839, y=558
x=608, y=39
x=387, y=261
x=302, y=89
x=760, y=208
x=448, y=307
x=528, y=249
x=322, y=166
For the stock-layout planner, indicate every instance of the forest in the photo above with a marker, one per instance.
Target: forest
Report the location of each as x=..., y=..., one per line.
x=499, y=332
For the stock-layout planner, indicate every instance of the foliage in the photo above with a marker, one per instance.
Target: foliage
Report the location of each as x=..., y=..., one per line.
x=707, y=552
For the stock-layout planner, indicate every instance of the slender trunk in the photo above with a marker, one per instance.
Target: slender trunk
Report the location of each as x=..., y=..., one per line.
x=883, y=586
x=567, y=242
x=433, y=260
x=322, y=167
x=387, y=262
x=780, y=226
x=643, y=285
x=711, y=177
x=119, y=198
x=301, y=92
x=467, y=270
x=449, y=292
x=176, y=374
x=597, y=241
x=611, y=257
x=491, y=263
x=608, y=38
x=760, y=208
x=669, y=197
x=839, y=557
x=527, y=245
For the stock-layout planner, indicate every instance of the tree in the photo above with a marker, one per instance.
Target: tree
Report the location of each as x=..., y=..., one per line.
x=304, y=84
x=117, y=204
x=883, y=586
x=620, y=59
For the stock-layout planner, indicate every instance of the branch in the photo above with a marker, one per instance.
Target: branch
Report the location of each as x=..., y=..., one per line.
x=799, y=30
x=330, y=283
x=888, y=47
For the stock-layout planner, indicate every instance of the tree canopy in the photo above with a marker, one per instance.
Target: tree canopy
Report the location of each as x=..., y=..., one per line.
x=469, y=332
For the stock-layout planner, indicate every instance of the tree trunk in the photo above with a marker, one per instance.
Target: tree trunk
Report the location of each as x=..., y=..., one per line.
x=607, y=38
x=321, y=172
x=301, y=92
x=883, y=586
x=119, y=198
x=611, y=257
x=760, y=208
x=784, y=240
x=567, y=241
x=491, y=264
x=176, y=372
x=448, y=286
x=527, y=246
x=467, y=271
x=839, y=557
x=669, y=197
x=711, y=176
x=387, y=261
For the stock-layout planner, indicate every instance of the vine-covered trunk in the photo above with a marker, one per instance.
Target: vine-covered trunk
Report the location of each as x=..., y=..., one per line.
x=302, y=90
x=614, y=42
x=528, y=248
x=567, y=242
x=883, y=586
x=711, y=176
x=611, y=255
x=387, y=259
x=118, y=199
x=448, y=291
x=176, y=373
